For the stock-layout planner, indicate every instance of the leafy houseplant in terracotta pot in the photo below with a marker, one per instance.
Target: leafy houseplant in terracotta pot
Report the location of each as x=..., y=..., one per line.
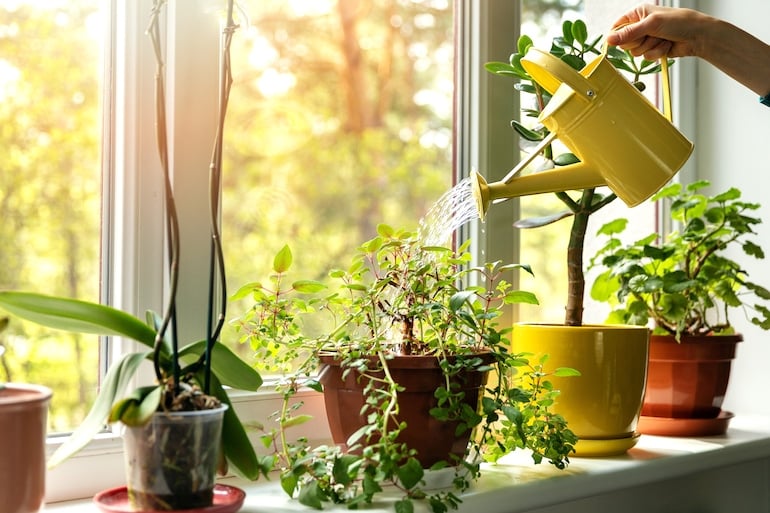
x=414, y=337
x=23, y=414
x=190, y=379
x=685, y=284
x=620, y=358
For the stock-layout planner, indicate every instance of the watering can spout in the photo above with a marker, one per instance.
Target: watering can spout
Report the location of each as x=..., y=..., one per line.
x=564, y=178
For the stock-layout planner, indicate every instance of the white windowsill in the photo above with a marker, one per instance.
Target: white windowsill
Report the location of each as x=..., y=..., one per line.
x=519, y=486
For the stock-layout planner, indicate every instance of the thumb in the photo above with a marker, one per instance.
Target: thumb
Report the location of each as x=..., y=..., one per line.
x=620, y=35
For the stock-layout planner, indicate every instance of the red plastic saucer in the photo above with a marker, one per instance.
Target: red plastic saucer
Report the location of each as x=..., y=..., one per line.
x=227, y=499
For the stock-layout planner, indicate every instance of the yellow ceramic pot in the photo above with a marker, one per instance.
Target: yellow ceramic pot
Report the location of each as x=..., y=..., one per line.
x=602, y=406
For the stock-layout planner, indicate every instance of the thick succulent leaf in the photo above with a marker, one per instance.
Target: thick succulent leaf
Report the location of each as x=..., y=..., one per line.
x=526, y=133
x=566, y=159
x=227, y=366
x=75, y=315
x=114, y=386
x=579, y=31
x=537, y=222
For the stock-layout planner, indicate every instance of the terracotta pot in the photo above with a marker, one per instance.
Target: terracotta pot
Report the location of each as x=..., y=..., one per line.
x=23, y=420
x=171, y=461
x=603, y=405
x=688, y=379
x=420, y=376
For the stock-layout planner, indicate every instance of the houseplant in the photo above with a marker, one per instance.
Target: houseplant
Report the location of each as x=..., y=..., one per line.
x=685, y=284
x=589, y=403
x=401, y=304
x=190, y=379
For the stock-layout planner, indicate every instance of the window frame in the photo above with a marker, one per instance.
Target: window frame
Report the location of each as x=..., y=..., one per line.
x=133, y=247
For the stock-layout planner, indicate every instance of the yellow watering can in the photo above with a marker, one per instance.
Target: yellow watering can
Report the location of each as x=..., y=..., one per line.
x=621, y=139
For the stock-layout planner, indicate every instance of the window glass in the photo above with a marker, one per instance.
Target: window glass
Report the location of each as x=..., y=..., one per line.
x=545, y=248
x=340, y=119
x=50, y=188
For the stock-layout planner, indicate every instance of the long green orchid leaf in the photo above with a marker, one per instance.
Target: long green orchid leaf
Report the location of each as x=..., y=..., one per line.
x=137, y=408
x=236, y=445
x=114, y=386
x=230, y=369
x=75, y=315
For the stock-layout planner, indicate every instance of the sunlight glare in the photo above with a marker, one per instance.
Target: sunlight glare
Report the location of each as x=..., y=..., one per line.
x=311, y=7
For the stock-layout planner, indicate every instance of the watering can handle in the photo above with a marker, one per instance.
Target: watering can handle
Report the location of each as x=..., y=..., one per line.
x=550, y=72
x=666, y=84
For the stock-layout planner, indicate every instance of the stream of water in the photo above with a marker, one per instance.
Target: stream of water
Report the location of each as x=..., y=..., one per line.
x=452, y=210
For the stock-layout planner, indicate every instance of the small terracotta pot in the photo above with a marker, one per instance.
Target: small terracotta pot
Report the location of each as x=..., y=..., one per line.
x=23, y=419
x=688, y=379
x=420, y=376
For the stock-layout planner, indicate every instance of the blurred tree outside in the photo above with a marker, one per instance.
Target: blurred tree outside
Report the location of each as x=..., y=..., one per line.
x=50, y=188
x=340, y=118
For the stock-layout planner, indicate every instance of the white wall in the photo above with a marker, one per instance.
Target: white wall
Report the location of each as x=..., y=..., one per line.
x=730, y=130
x=731, y=142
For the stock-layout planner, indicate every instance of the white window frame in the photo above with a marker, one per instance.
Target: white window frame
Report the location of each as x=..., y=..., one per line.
x=134, y=240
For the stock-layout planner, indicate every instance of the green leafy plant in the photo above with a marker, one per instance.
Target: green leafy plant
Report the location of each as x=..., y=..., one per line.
x=685, y=283
x=399, y=297
x=188, y=377
x=572, y=47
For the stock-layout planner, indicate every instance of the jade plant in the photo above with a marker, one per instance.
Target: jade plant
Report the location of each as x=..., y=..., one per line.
x=399, y=297
x=188, y=377
x=573, y=47
x=686, y=282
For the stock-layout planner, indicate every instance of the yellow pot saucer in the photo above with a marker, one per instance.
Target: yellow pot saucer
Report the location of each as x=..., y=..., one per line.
x=586, y=448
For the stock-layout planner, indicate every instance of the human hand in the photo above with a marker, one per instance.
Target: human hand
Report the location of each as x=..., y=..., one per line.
x=656, y=32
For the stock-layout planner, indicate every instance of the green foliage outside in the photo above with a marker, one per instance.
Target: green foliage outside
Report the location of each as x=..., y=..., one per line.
x=362, y=136
x=50, y=190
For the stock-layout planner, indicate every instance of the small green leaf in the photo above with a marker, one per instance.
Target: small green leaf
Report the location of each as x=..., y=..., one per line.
x=289, y=483
x=521, y=296
x=580, y=31
x=574, y=61
x=458, y=299
x=295, y=421
x=605, y=286
x=404, y=506
x=410, y=473
x=310, y=495
x=614, y=227
x=341, y=468
x=246, y=291
x=283, y=259
x=523, y=44
x=308, y=286
x=385, y=230
x=566, y=372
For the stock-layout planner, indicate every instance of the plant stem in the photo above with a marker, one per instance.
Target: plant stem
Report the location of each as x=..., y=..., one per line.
x=217, y=276
x=172, y=222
